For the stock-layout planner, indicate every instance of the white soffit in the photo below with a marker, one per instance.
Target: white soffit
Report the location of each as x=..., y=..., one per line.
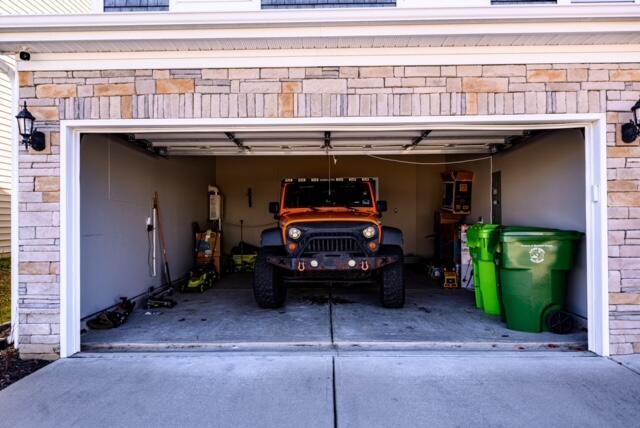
x=330, y=42
x=325, y=29
x=338, y=142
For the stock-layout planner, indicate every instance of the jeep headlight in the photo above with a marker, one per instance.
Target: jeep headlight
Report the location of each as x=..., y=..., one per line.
x=369, y=232
x=294, y=233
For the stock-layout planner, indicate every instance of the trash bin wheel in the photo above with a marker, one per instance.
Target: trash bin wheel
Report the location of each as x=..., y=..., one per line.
x=559, y=322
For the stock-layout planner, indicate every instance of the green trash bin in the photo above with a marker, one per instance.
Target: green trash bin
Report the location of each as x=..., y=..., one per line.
x=534, y=264
x=483, y=240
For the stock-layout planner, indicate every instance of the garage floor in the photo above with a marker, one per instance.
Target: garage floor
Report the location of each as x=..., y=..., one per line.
x=227, y=318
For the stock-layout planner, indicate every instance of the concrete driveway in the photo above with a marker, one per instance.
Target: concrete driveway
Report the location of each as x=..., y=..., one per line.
x=326, y=389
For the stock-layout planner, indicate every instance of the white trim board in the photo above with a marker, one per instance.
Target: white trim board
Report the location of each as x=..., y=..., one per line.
x=595, y=188
x=332, y=57
x=497, y=25
x=536, y=14
x=10, y=68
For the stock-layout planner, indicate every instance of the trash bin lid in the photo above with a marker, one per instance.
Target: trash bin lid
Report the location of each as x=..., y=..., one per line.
x=516, y=233
x=479, y=231
x=486, y=230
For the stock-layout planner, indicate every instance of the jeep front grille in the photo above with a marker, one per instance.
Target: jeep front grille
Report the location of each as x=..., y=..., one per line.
x=332, y=245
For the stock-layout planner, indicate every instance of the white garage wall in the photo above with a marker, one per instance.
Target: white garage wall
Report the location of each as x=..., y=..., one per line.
x=543, y=185
x=117, y=186
x=413, y=192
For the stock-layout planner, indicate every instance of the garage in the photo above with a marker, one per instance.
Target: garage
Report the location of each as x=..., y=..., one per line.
x=524, y=173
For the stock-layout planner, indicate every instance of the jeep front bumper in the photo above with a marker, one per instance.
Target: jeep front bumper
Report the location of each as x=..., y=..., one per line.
x=332, y=262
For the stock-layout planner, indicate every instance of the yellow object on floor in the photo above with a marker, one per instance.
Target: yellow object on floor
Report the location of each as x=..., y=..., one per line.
x=451, y=279
x=245, y=262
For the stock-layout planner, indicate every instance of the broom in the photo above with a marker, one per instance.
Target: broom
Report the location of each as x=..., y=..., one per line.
x=167, y=273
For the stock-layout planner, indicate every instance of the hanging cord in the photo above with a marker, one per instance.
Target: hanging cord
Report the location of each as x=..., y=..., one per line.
x=491, y=190
x=329, y=161
x=249, y=226
x=430, y=163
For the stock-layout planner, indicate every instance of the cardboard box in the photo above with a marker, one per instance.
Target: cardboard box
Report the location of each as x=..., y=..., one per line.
x=217, y=262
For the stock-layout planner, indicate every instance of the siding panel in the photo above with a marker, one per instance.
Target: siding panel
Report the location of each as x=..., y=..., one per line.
x=44, y=7
x=6, y=119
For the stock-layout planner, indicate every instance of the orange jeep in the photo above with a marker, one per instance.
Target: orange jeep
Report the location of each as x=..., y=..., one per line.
x=329, y=230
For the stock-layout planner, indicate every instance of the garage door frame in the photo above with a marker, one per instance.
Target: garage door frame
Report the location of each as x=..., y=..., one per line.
x=594, y=125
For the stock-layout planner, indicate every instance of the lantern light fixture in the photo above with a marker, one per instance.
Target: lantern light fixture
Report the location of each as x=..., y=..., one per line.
x=31, y=137
x=631, y=130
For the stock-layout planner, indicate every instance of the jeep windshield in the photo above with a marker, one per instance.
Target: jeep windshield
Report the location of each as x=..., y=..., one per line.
x=321, y=194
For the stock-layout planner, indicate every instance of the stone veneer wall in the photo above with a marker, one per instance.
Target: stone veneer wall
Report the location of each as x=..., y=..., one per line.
x=321, y=92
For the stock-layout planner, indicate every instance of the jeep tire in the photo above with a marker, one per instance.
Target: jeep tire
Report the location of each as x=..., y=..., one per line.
x=268, y=289
x=392, y=279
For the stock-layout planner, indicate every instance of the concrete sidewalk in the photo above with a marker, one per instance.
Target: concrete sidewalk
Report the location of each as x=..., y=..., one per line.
x=358, y=389
x=486, y=390
x=173, y=391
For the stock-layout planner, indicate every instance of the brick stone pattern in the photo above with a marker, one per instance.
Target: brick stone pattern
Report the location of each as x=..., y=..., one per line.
x=322, y=92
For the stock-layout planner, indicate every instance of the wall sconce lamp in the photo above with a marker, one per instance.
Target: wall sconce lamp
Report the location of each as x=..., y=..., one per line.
x=30, y=136
x=631, y=130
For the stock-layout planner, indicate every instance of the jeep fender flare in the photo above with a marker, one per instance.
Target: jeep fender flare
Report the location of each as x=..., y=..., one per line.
x=391, y=236
x=271, y=237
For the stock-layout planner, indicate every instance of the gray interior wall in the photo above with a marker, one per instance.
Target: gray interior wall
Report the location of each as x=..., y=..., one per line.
x=117, y=186
x=543, y=184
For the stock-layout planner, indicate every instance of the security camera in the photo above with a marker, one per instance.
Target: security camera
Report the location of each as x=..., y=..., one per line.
x=25, y=56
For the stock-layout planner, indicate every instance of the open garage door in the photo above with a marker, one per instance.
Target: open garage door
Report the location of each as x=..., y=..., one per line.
x=338, y=142
x=542, y=175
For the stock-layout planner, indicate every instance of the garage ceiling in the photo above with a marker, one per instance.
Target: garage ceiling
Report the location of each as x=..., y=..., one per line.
x=419, y=141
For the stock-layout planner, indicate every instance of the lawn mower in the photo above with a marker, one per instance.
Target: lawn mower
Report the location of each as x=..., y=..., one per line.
x=200, y=279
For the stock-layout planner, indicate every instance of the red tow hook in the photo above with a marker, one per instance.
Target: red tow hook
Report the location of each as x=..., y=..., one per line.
x=365, y=265
x=301, y=266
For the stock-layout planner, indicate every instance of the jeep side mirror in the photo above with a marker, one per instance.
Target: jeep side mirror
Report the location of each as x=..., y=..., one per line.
x=274, y=208
x=382, y=206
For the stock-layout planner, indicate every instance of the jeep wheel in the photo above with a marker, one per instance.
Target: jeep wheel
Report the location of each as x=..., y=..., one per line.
x=268, y=290
x=392, y=279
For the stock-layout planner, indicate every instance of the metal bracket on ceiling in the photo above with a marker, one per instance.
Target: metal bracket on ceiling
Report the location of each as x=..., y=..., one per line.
x=327, y=141
x=512, y=142
x=417, y=140
x=142, y=145
x=231, y=136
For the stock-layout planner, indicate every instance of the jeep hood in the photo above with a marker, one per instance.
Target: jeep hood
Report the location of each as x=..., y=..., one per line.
x=328, y=215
